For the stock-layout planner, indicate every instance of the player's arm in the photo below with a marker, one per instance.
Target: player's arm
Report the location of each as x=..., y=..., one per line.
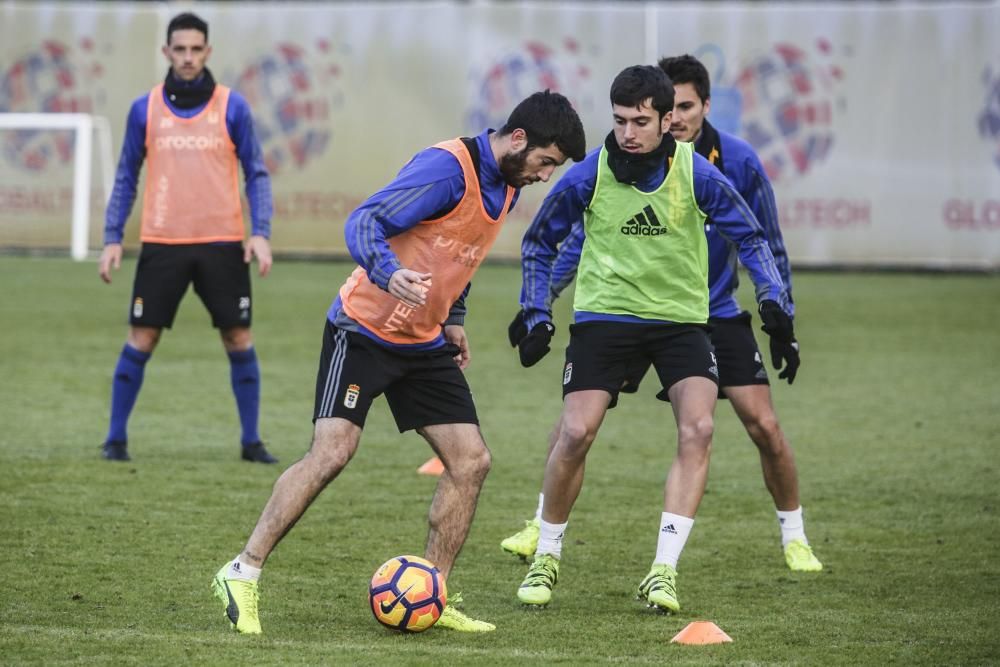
x=124, y=191
x=257, y=181
x=567, y=260
x=732, y=216
x=560, y=211
x=454, y=329
x=734, y=219
x=759, y=195
x=429, y=186
x=563, y=273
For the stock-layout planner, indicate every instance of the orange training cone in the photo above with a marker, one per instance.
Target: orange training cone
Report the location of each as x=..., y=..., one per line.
x=701, y=632
x=432, y=467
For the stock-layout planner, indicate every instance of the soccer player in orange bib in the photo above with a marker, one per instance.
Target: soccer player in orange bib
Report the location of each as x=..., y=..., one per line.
x=194, y=134
x=397, y=328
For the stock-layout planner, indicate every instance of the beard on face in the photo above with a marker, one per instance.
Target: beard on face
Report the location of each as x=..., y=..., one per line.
x=512, y=168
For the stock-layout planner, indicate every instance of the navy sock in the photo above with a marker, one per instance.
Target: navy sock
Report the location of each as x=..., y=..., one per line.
x=245, y=376
x=125, y=389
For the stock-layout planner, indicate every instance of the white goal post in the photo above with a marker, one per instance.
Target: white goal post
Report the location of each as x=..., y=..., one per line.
x=84, y=125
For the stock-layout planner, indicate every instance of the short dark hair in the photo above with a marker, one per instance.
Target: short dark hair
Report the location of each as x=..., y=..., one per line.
x=549, y=118
x=187, y=21
x=638, y=83
x=688, y=69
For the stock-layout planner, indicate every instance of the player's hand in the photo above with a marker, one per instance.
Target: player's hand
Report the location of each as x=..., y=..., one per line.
x=261, y=248
x=787, y=353
x=784, y=348
x=517, y=329
x=111, y=258
x=455, y=334
x=535, y=345
x=410, y=287
x=777, y=323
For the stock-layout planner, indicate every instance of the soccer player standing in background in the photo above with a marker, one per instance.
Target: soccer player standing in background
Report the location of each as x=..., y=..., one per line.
x=397, y=328
x=194, y=133
x=742, y=376
x=642, y=296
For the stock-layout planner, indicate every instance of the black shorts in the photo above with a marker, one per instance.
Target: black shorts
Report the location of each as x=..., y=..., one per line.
x=606, y=355
x=422, y=388
x=221, y=279
x=740, y=360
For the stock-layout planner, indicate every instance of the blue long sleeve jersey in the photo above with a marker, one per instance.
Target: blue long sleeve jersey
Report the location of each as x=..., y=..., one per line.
x=239, y=123
x=429, y=186
x=732, y=230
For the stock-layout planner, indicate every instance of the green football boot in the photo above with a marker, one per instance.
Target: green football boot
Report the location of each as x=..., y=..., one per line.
x=659, y=588
x=536, y=589
x=524, y=542
x=800, y=558
x=453, y=619
x=239, y=599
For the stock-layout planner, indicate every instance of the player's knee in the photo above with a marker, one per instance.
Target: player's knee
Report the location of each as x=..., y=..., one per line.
x=471, y=465
x=237, y=338
x=765, y=431
x=481, y=462
x=697, y=432
x=576, y=436
x=144, y=339
x=328, y=457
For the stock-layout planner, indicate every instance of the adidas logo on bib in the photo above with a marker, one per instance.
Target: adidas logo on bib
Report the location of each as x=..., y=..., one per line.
x=644, y=223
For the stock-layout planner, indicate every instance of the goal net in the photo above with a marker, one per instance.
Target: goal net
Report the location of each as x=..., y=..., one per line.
x=46, y=184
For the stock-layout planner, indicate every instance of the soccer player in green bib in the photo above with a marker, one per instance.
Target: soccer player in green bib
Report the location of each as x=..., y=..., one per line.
x=642, y=295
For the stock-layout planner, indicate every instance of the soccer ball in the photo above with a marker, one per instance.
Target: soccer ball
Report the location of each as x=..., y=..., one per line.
x=407, y=593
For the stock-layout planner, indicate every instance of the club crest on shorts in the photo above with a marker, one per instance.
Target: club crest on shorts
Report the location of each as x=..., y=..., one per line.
x=351, y=396
x=568, y=373
x=137, y=307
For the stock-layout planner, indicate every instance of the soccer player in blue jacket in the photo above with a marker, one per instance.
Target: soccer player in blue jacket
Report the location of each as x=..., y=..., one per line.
x=642, y=297
x=193, y=135
x=742, y=377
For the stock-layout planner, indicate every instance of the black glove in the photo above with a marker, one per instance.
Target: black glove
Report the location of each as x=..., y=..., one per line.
x=790, y=353
x=535, y=345
x=517, y=329
x=784, y=348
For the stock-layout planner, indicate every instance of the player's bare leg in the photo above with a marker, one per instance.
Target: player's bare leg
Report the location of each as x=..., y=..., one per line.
x=693, y=402
x=755, y=409
x=466, y=461
x=335, y=441
x=582, y=415
x=753, y=405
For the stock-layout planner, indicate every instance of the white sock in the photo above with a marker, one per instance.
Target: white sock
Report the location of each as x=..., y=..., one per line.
x=550, y=538
x=674, y=531
x=538, y=511
x=238, y=570
x=792, y=526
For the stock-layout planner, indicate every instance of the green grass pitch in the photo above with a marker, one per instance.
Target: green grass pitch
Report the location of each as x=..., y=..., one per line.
x=895, y=420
